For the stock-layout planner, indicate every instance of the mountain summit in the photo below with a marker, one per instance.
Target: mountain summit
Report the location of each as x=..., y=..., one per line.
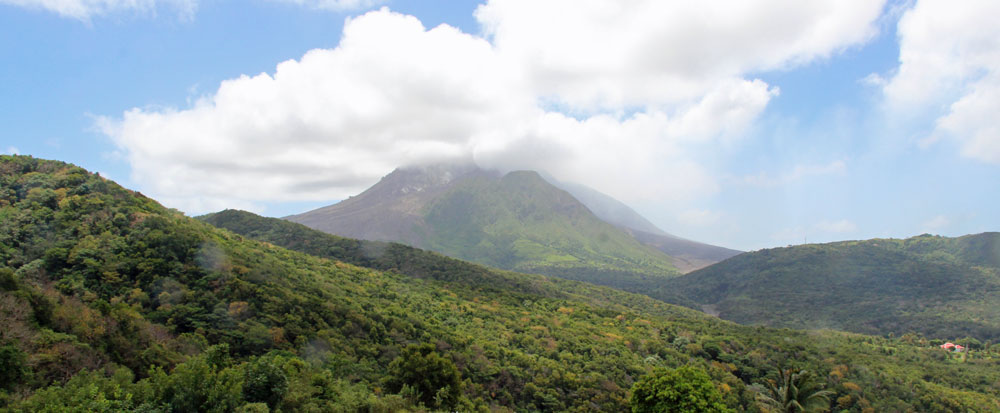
x=392, y=209
x=515, y=221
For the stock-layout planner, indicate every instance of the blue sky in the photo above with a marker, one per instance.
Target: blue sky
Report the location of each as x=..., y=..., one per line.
x=818, y=122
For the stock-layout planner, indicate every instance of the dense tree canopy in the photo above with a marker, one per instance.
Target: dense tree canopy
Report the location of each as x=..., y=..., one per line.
x=434, y=378
x=111, y=302
x=936, y=286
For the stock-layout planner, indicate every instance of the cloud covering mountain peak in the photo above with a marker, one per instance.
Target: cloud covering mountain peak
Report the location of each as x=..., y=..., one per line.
x=620, y=98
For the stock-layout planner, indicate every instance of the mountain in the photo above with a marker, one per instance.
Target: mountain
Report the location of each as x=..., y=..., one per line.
x=937, y=286
x=606, y=208
x=111, y=302
x=686, y=255
x=516, y=221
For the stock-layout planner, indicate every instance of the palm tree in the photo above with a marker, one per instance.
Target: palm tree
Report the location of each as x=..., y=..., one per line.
x=795, y=391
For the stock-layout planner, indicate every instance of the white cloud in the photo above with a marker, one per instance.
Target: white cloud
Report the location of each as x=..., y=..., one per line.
x=85, y=9
x=950, y=69
x=635, y=158
x=12, y=151
x=326, y=126
x=973, y=120
x=394, y=93
x=841, y=226
x=609, y=53
x=874, y=79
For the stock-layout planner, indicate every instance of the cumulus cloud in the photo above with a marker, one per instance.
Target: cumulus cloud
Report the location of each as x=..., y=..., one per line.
x=950, y=69
x=608, y=53
x=329, y=124
x=395, y=93
x=633, y=158
x=85, y=9
x=12, y=151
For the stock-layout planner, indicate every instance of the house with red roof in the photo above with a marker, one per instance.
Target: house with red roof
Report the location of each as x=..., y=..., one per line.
x=953, y=347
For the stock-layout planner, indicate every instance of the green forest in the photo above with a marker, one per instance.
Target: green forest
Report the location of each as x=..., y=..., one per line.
x=939, y=287
x=111, y=302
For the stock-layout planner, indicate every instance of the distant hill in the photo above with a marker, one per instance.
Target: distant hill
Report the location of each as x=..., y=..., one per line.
x=516, y=221
x=685, y=254
x=941, y=287
x=111, y=302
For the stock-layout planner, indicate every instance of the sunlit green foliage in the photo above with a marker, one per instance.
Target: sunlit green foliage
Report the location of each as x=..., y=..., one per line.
x=684, y=389
x=794, y=391
x=119, y=304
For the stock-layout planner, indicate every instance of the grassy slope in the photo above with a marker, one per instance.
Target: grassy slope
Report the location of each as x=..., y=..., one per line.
x=517, y=222
x=98, y=277
x=937, y=286
x=523, y=223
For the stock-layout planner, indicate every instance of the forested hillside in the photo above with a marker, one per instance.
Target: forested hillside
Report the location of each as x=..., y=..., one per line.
x=111, y=302
x=937, y=286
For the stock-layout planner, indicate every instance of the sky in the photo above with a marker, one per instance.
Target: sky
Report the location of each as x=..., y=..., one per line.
x=746, y=124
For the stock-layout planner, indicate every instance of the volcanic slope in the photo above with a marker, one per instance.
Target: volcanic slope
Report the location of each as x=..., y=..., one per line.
x=685, y=254
x=516, y=221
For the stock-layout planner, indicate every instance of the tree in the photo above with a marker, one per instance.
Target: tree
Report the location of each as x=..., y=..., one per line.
x=685, y=389
x=435, y=378
x=794, y=391
x=13, y=367
x=264, y=381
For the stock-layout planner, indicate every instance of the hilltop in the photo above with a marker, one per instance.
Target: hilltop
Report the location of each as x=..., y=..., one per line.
x=937, y=286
